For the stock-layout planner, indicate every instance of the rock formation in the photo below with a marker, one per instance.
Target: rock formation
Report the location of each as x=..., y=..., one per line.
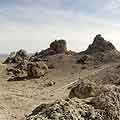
x=69, y=109
x=85, y=59
x=100, y=45
x=59, y=46
x=16, y=57
x=84, y=89
x=56, y=47
x=107, y=103
x=103, y=106
x=100, y=51
x=36, y=70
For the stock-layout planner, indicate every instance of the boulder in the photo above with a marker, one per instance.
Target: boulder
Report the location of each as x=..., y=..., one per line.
x=83, y=89
x=16, y=57
x=36, y=69
x=50, y=83
x=59, y=46
x=13, y=71
x=32, y=70
x=104, y=106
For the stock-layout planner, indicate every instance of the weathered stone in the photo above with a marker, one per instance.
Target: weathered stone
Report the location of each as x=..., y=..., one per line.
x=36, y=69
x=100, y=45
x=107, y=103
x=69, y=109
x=85, y=59
x=50, y=83
x=17, y=57
x=84, y=89
x=59, y=46
x=56, y=47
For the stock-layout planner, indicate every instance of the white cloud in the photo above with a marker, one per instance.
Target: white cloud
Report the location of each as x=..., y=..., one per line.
x=34, y=37
x=34, y=28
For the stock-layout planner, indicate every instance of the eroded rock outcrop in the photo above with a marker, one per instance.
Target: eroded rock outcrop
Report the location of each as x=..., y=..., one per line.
x=100, y=45
x=16, y=57
x=105, y=105
x=56, y=47
x=100, y=51
x=85, y=59
x=59, y=46
x=69, y=109
x=83, y=89
x=36, y=69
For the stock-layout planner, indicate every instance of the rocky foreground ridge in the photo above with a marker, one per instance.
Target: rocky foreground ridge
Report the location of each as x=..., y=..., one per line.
x=102, y=106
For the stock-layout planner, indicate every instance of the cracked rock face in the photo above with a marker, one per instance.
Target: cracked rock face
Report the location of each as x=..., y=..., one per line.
x=84, y=89
x=100, y=45
x=17, y=57
x=105, y=105
x=69, y=109
x=59, y=46
x=36, y=69
x=56, y=47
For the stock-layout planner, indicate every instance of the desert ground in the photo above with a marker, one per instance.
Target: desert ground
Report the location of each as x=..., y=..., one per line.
x=20, y=97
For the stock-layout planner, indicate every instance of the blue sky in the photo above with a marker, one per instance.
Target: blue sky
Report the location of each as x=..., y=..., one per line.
x=33, y=24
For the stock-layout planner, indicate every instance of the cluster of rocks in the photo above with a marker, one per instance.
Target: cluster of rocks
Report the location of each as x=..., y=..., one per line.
x=83, y=89
x=68, y=109
x=36, y=69
x=104, y=98
x=21, y=64
x=56, y=47
x=27, y=71
x=88, y=100
x=85, y=59
x=87, y=104
x=16, y=57
x=100, y=51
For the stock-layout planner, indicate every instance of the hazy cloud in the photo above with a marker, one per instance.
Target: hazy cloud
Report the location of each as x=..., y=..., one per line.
x=32, y=24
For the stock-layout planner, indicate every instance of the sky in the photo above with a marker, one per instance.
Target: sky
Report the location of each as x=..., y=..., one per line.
x=33, y=24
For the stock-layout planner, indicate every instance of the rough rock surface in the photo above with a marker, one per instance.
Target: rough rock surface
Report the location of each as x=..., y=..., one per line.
x=107, y=103
x=100, y=51
x=59, y=46
x=100, y=45
x=56, y=47
x=85, y=59
x=16, y=57
x=69, y=109
x=20, y=66
x=84, y=89
x=104, y=106
x=36, y=69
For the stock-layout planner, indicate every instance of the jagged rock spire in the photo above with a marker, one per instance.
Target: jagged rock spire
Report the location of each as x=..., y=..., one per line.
x=100, y=45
